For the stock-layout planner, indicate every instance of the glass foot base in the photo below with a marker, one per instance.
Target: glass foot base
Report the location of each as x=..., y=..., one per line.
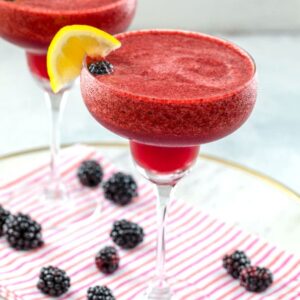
x=158, y=291
x=165, y=293
x=55, y=192
x=52, y=207
x=167, y=296
x=157, y=294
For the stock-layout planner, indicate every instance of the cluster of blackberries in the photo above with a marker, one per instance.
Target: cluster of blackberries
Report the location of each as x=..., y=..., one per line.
x=253, y=278
x=55, y=282
x=120, y=188
x=126, y=235
x=20, y=231
x=90, y=173
x=107, y=260
x=4, y=214
x=99, y=293
x=24, y=233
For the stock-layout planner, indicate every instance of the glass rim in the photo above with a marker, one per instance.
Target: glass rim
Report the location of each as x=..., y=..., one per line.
x=42, y=10
x=218, y=97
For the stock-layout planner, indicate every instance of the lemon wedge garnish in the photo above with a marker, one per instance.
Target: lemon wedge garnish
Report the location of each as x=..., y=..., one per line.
x=69, y=47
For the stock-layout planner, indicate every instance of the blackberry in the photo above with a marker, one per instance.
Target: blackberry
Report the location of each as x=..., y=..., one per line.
x=23, y=233
x=100, y=293
x=102, y=67
x=53, y=281
x=235, y=263
x=256, y=279
x=127, y=234
x=4, y=214
x=90, y=173
x=107, y=260
x=120, y=188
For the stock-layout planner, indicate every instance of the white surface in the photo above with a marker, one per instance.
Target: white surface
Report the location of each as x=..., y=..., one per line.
x=268, y=142
x=230, y=194
x=220, y=15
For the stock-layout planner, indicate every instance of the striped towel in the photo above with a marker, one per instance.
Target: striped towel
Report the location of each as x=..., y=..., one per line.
x=196, y=243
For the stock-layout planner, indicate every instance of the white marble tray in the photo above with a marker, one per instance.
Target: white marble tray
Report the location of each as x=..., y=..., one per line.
x=232, y=192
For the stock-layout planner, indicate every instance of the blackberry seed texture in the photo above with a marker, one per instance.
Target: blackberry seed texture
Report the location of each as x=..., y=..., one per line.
x=53, y=281
x=100, y=293
x=4, y=214
x=102, y=67
x=23, y=233
x=120, y=188
x=127, y=234
x=256, y=279
x=107, y=260
x=90, y=173
x=234, y=263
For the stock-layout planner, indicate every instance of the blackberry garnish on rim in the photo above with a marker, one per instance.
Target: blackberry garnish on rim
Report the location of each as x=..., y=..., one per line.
x=102, y=67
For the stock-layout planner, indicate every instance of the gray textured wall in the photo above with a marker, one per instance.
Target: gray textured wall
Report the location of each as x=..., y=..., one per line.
x=220, y=15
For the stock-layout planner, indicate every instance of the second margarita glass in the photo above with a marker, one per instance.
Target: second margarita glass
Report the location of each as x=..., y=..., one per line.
x=32, y=25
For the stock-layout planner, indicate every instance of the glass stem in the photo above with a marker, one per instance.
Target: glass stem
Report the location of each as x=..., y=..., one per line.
x=55, y=104
x=163, y=199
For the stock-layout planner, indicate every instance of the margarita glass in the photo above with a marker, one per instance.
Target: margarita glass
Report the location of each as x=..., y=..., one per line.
x=31, y=24
x=170, y=92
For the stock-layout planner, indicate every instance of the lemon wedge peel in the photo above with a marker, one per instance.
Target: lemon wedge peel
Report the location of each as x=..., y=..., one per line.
x=69, y=47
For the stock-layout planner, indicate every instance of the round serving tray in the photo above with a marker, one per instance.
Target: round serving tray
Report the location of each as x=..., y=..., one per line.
x=230, y=191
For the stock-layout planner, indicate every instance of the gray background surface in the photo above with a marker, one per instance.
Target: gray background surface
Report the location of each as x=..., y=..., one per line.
x=268, y=142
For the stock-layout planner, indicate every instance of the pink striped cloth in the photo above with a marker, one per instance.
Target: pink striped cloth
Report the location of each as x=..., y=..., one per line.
x=196, y=244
